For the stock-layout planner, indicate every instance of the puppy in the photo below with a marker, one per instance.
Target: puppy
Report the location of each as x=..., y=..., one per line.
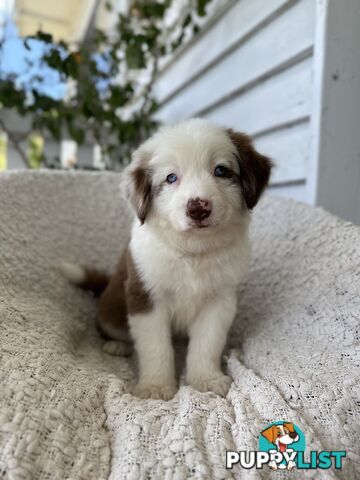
x=192, y=187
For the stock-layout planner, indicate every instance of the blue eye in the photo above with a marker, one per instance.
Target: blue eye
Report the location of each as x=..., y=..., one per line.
x=171, y=178
x=221, y=171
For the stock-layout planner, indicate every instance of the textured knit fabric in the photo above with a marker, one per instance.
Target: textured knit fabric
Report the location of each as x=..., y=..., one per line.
x=65, y=410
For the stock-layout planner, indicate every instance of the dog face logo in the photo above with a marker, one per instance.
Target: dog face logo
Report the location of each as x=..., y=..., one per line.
x=283, y=440
x=281, y=435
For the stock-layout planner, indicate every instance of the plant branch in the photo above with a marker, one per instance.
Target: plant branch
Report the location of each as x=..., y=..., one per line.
x=149, y=87
x=106, y=99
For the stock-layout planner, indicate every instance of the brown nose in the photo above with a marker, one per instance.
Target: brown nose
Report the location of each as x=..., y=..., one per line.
x=292, y=434
x=198, y=209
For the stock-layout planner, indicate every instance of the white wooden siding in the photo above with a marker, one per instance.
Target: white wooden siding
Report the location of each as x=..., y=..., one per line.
x=334, y=171
x=253, y=71
x=282, y=100
x=227, y=34
x=278, y=144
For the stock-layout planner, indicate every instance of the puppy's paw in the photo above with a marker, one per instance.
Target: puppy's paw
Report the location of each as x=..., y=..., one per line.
x=291, y=465
x=158, y=392
x=219, y=385
x=113, y=347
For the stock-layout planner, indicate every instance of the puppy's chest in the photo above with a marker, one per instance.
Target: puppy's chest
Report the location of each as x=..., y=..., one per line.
x=188, y=282
x=191, y=278
x=186, y=279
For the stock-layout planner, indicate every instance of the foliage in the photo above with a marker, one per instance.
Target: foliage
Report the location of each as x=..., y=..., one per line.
x=107, y=102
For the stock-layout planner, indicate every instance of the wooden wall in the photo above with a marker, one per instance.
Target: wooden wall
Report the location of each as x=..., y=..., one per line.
x=251, y=69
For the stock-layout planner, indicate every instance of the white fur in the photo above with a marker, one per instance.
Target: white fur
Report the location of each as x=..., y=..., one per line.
x=74, y=273
x=191, y=273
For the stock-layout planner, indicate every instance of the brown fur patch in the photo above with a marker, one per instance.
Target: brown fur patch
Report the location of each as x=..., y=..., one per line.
x=112, y=303
x=137, y=298
x=142, y=192
x=95, y=281
x=255, y=168
x=124, y=294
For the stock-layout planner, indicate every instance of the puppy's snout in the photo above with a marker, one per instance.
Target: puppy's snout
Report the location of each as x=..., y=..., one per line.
x=292, y=435
x=198, y=208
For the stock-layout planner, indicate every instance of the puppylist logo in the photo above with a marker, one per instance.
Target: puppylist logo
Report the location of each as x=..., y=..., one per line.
x=282, y=447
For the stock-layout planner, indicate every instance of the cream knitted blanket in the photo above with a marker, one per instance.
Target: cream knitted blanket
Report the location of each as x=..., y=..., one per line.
x=64, y=408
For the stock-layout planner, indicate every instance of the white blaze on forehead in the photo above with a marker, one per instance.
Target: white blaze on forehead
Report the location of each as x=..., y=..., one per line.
x=190, y=145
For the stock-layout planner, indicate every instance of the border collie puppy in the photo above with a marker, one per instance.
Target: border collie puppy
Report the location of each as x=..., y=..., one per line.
x=192, y=187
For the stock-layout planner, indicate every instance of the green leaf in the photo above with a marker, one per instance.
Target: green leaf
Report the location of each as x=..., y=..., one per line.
x=134, y=57
x=196, y=29
x=176, y=44
x=54, y=60
x=108, y=6
x=35, y=151
x=201, y=7
x=187, y=21
x=44, y=37
x=77, y=134
x=149, y=9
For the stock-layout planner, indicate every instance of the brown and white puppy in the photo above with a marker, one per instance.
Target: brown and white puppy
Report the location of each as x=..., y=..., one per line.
x=192, y=187
x=282, y=436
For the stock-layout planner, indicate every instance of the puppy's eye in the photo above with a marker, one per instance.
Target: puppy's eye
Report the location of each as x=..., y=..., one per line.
x=171, y=178
x=221, y=171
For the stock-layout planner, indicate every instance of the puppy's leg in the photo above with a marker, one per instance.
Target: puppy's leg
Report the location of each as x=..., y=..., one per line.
x=207, y=340
x=112, y=316
x=152, y=336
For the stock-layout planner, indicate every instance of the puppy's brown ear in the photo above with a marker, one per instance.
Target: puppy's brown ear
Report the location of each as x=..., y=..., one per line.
x=270, y=434
x=255, y=168
x=289, y=426
x=136, y=184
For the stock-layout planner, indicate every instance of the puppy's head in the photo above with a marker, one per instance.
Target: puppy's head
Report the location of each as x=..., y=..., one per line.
x=195, y=177
x=281, y=435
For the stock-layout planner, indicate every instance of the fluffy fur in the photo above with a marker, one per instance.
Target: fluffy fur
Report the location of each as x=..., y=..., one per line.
x=189, y=250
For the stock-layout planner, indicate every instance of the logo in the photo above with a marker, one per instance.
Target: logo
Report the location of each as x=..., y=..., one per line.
x=282, y=447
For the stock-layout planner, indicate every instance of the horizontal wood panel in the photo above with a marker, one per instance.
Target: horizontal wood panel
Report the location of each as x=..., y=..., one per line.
x=296, y=191
x=289, y=149
x=286, y=37
x=240, y=19
x=282, y=100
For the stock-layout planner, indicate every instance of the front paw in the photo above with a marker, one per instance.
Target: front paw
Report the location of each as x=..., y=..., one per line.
x=291, y=465
x=219, y=384
x=155, y=391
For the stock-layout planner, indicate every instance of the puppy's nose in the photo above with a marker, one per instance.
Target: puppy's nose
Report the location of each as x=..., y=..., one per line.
x=198, y=208
x=292, y=434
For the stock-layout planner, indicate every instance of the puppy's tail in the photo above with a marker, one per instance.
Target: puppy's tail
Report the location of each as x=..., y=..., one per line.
x=85, y=278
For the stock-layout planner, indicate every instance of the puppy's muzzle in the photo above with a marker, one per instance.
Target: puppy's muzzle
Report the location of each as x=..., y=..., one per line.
x=198, y=209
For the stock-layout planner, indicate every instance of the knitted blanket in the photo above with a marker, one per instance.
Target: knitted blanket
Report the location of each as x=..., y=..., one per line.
x=65, y=407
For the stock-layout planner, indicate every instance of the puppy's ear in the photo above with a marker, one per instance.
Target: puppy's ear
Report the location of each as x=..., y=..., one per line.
x=136, y=183
x=289, y=426
x=255, y=168
x=270, y=434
